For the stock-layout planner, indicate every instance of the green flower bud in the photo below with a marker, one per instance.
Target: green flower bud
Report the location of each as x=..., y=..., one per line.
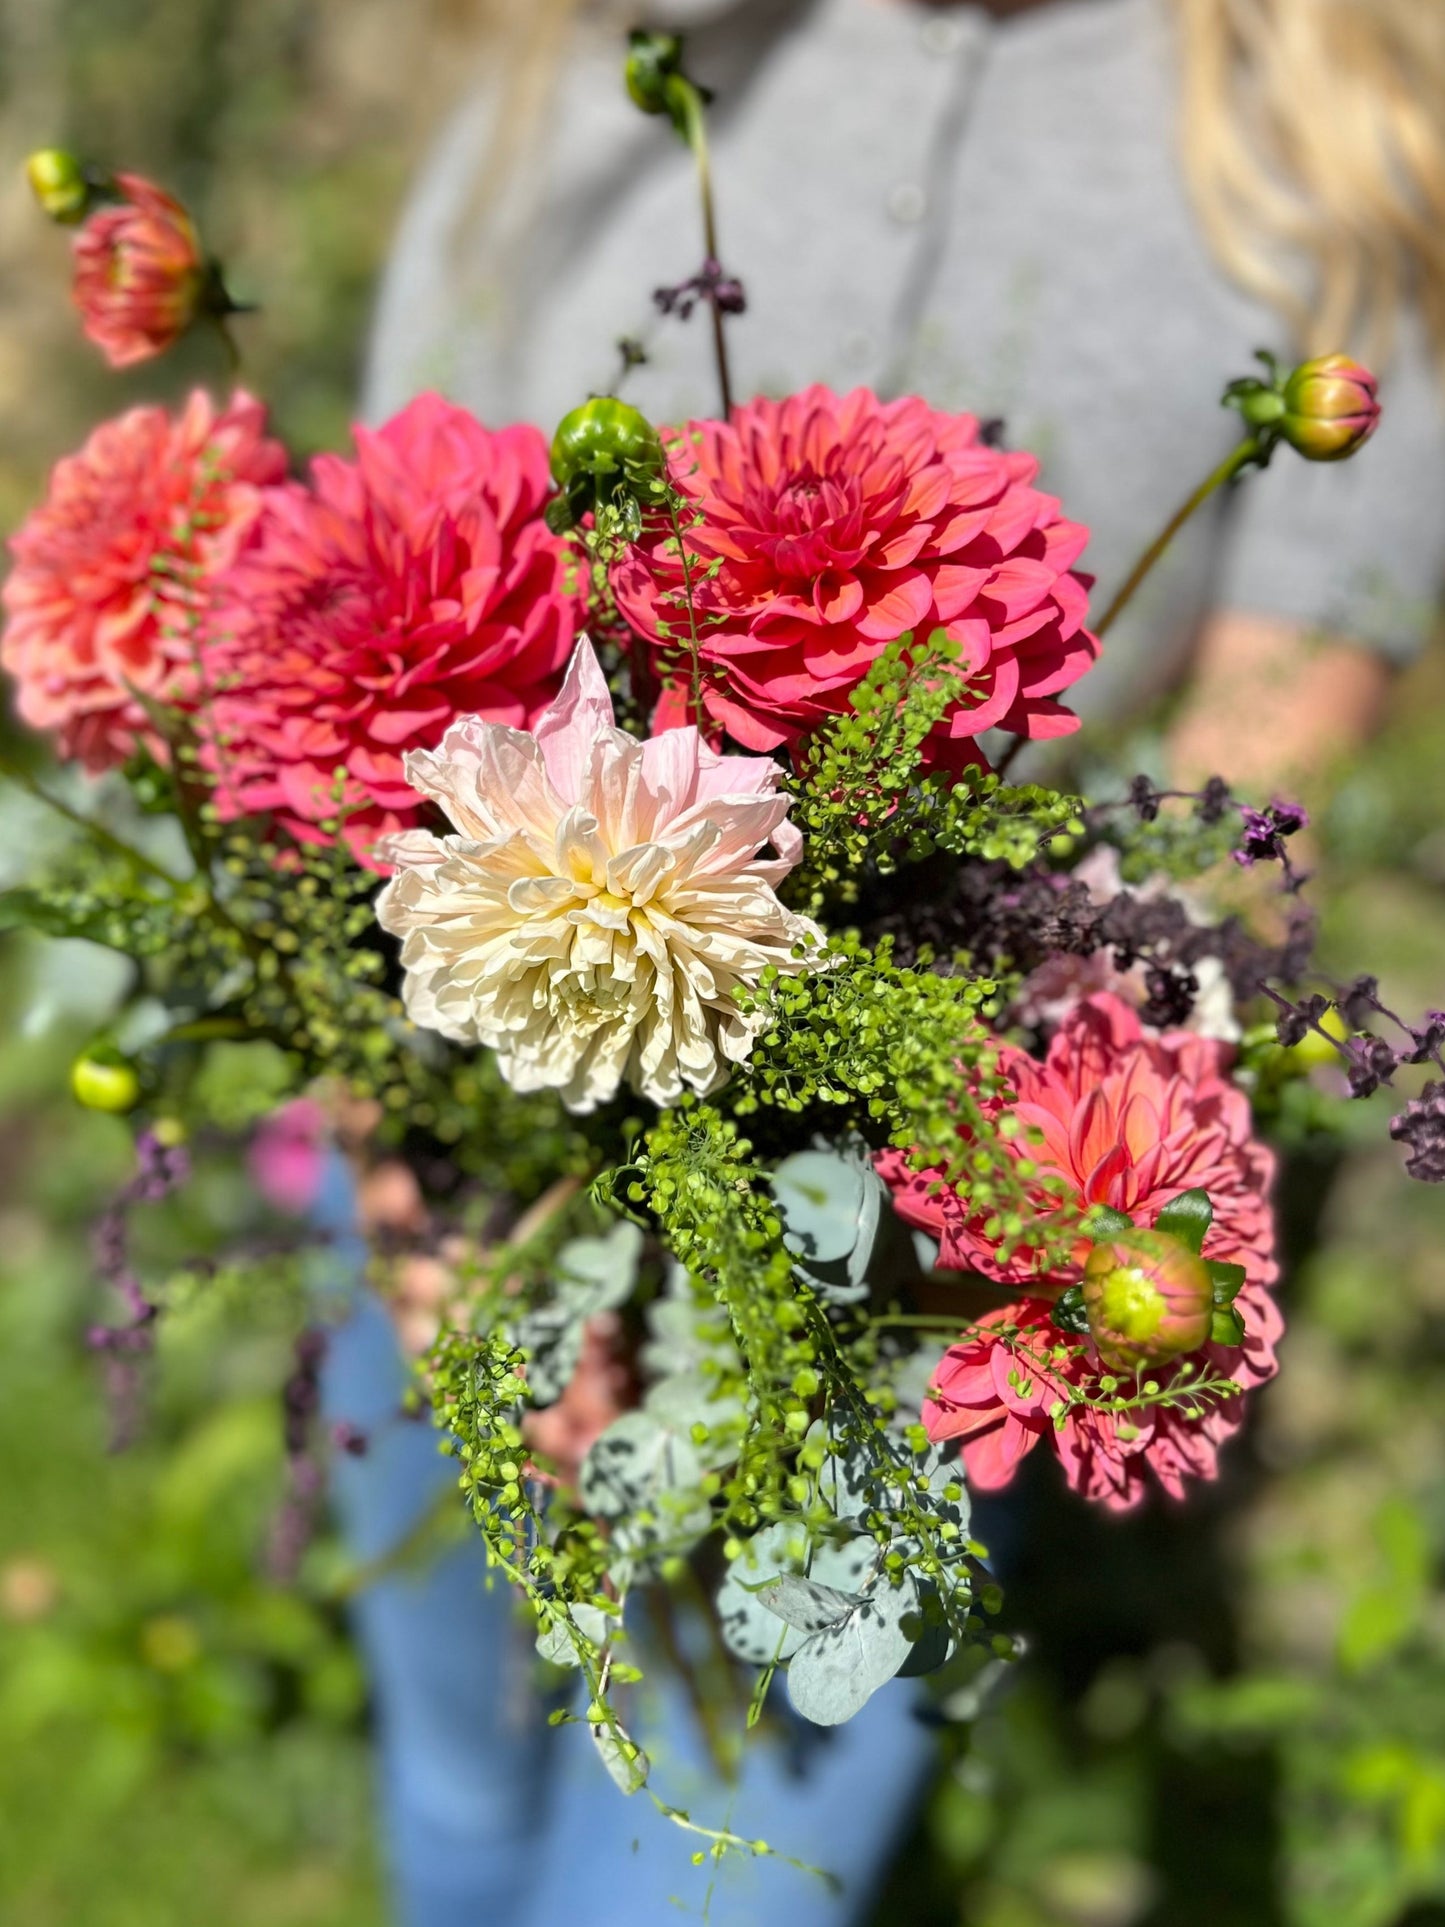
x=104, y=1080
x=605, y=455
x=1330, y=408
x=652, y=60
x=58, y=181
x=1148, y=1299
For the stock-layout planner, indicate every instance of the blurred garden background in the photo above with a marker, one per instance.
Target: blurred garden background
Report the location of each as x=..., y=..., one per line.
x=1232, y=1713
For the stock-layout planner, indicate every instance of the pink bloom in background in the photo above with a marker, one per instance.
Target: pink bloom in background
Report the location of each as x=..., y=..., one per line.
x=139, y=273
x=996, y=1395
x=1131, y=1120
x=400, y=590
x=288, y=1156
x=113, y=574
x=833, y=525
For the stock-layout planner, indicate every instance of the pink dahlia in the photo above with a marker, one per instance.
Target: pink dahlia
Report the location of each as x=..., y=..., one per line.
x=832, y=525
x=113, y=575
x=1127, y=1118
x=139, y=272
x=396, y=593
x=1130, y=1120
x=1009, y=1383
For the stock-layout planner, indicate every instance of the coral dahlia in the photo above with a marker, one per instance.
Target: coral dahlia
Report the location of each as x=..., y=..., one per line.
x=1130, y=1120
x=1011, y=1382
x=832, y=525
x=139, y=272
x=600, y=902
x=114, y=573
x=400, y=591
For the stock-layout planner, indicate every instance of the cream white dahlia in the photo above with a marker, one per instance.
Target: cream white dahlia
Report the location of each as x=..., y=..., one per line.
x=601, y=900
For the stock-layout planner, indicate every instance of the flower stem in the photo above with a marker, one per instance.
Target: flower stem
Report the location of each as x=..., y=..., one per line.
x=12, y=773
x=694, y=643
x=695, y=133
x=1239, y=458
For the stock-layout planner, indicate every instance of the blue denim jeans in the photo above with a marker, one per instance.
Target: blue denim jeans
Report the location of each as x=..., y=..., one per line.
x=490, y=1814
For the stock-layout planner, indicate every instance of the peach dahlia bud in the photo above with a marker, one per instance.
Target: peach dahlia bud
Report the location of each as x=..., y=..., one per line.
x=1148, y=1299
x=1330, y=408
x=140, y=276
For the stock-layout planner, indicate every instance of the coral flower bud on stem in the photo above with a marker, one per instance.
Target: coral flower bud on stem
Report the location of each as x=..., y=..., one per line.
x=1330, y=408
x=1325, y=409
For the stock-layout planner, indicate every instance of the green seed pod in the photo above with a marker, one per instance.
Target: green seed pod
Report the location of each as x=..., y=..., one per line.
x=104, y=1080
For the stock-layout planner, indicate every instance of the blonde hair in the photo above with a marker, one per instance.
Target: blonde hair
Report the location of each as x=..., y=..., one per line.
x=1314, y=144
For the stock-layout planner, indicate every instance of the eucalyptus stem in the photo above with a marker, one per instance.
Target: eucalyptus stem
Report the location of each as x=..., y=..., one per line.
x=1238, y=459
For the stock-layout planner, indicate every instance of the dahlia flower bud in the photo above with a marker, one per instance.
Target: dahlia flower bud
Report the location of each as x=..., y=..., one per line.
x=1325, y=408
x=1330, y=408
x=140, y=277
x=104, y=1080
x=653, y=59
x=1148, y=1298
x=60, y=184
x=605, y=454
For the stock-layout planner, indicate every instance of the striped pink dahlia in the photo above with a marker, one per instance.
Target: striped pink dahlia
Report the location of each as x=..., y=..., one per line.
x=830, y=526
x=399, y=591
x=113, y=575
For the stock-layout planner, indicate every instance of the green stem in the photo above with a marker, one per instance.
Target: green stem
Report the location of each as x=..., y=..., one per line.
x=1233, y=464
x=694, y=641
x=95, y=830
x=695, y=134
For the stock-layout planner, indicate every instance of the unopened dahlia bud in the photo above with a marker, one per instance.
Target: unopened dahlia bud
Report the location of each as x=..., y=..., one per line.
x=652, y=60
x=1330, y=408
x=104, y=1080
x=604, y=455
x=1148, y=1299
x=140, y=277
x=59, y=183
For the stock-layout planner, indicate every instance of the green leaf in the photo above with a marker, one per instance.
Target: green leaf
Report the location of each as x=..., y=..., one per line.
x=1187, y=1218
x=805, y=1605
x=593, y=1275
x=1069, y=1313
x=1226, y=1327
x=1104, y=1222
x=749, y=1630
x=624, y=1759
x=836, y=1671
x=1227, y=1280
x=646, y=1477
x=557, y=1641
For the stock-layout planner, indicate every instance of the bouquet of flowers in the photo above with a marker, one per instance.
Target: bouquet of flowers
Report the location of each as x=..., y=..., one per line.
x=776, y=1123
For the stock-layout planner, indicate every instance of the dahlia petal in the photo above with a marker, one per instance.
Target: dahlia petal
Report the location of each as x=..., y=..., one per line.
x=894, y=609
